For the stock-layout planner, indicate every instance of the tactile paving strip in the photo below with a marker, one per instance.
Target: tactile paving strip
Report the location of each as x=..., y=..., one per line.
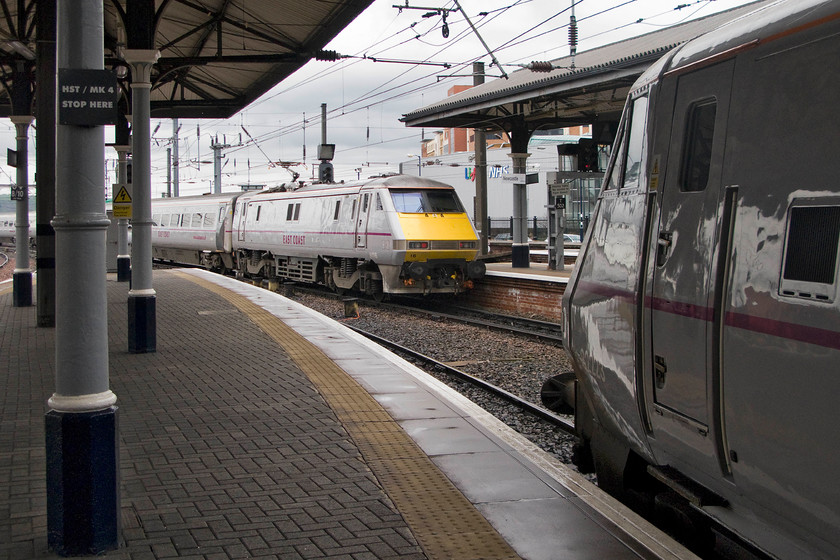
x=443, y=521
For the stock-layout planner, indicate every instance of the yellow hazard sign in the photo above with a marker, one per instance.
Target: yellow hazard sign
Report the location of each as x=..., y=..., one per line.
x=122, y=197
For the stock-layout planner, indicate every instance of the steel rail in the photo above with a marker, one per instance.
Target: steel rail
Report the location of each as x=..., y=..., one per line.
x=525, y=406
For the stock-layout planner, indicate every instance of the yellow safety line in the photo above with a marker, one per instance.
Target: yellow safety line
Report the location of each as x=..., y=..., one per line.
x=443, y=520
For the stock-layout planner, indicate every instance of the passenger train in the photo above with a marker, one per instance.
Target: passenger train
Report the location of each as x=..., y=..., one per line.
x=389, y=235
x=703, y=314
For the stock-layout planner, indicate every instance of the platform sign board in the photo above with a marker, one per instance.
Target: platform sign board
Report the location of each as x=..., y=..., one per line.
x=87, y=97
x=20, y=192
x=521, y=178
x=560, y=189
x=122, y=202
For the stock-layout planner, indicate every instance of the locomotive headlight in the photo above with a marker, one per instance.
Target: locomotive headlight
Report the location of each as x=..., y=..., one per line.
x=418, y=244
x=467, y=245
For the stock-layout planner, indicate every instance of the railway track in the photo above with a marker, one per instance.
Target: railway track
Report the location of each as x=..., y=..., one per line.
x=544, y=331
x=520, y=403
x=540, y=330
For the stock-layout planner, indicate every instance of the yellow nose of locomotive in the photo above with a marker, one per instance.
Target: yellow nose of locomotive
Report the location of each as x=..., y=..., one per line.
x=432, y=236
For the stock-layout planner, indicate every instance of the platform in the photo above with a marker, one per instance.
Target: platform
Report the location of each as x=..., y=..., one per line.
x=262, y=429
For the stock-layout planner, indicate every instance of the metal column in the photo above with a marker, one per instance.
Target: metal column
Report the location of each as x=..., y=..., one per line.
x=521, y=257
x=142, y=321
x=22, y=276
x=81, y=427
x=45, y=72
x=123, y=256
x=481, y=219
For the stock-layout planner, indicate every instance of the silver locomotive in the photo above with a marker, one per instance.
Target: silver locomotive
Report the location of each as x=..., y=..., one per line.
x=390, y=235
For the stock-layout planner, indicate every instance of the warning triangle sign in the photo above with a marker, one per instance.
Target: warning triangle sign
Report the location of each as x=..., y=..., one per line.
x=122, y=197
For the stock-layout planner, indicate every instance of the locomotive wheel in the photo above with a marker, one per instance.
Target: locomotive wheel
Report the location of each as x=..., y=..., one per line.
x=378, y=292
x=558, y=393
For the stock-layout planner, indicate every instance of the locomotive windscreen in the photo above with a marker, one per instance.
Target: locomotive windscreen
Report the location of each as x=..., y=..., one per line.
x=420, y=201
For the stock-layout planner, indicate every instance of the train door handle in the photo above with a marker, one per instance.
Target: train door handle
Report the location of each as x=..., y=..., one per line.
x=659, y=370
x=663, y=247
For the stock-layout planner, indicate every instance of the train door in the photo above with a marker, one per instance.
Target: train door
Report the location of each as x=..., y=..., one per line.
x=241, y=223
x=362, y=219
x=682, y=300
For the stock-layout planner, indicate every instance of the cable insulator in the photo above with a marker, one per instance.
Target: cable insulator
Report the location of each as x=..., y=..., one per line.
x=540, y=66
x=329, y=56
x=573, y=34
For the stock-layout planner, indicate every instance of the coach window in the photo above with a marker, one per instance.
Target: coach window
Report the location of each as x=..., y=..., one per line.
x=259, y=211
x=379, y=203
x=290, y=211
x=697, y=151
x=156, y=219
x=221, y=214
x=353, y=209
x=365, y=203
x=297, y=211
x=337, y=208
x=197, y=220
x=208, y=220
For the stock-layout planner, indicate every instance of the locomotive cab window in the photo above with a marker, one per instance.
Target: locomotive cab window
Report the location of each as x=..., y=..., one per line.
x=697, y=151
x=416, y=202
x=812, y=242
x=630, y=147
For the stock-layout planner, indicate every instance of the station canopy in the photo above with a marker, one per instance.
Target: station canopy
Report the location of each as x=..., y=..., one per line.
x=588, y=88
x=216, y=56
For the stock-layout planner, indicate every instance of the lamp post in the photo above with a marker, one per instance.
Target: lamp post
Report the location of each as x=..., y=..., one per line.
x=419, y=164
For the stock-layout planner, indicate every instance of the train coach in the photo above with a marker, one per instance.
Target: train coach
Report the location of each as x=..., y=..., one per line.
x=8, y=231
x=389, y=235
x=703, y=314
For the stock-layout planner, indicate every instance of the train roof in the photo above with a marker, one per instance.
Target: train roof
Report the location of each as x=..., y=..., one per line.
x=390, y=181
x=199, y=198
x=765, y=22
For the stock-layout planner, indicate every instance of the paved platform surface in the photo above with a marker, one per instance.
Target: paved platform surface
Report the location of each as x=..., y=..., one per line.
x=237, y=443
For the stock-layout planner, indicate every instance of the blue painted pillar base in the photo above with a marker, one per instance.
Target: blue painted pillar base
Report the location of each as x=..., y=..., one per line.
x=142, y=324
x=521, y=256
x=123, y=269
x=83, y=505
x=22, y=289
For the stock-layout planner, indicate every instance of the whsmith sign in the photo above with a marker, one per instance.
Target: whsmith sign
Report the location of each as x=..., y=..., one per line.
x=87, y=97
x=493, y=172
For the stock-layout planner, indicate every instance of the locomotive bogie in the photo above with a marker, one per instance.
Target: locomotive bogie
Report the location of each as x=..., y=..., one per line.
x=702, y=316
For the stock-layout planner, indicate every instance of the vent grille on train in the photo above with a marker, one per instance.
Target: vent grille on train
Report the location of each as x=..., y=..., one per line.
x=812, y=244
x=445, y=244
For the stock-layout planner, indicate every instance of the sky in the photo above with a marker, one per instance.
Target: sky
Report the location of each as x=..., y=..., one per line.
x=365, y=98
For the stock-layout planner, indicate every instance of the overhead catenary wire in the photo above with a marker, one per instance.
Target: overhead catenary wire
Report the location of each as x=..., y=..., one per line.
x=382, y=94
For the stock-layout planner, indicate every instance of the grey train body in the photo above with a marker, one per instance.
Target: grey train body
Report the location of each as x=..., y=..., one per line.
x=703, y=314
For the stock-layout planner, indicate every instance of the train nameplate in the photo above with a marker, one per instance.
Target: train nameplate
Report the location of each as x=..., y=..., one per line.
x=87, y=97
